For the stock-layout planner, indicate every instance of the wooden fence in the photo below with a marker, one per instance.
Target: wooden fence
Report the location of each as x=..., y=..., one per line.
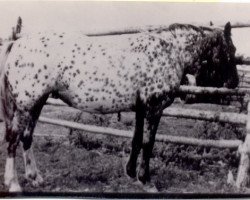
x=242, y=119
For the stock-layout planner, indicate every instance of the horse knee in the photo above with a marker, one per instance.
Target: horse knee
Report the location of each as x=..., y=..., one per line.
x=15, y=132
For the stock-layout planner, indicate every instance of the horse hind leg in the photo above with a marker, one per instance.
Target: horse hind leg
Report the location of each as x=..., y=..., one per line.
x=13, y=135
x=31, y=171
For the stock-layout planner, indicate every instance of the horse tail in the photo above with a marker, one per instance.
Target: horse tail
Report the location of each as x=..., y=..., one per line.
x=5, y=50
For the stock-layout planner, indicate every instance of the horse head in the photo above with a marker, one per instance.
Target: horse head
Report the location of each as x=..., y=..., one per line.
x=217, y=60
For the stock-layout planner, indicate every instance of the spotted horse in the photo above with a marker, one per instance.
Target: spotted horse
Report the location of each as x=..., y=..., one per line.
x=132, y=72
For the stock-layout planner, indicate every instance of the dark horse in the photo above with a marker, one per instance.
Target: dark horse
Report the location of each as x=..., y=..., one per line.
x=140, y=72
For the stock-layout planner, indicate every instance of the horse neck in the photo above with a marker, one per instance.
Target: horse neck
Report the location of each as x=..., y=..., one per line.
x=204, y=50
x=189, y=41
x=207, y=44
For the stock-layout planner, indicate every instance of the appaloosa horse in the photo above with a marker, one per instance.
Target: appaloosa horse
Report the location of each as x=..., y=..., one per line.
x=140, y=72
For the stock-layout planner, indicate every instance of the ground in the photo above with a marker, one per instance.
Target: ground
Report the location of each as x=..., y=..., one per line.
x=77, y=161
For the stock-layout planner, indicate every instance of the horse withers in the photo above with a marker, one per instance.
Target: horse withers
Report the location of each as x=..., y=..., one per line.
x=139, y=72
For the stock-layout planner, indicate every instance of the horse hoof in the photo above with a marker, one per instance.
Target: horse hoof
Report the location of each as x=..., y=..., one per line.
x=15, y=187
x=150, y=188
x=130, y=171
x=143, y=177
x=36, y=179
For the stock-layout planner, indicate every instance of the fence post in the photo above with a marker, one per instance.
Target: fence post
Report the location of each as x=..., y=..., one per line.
x=244, y=151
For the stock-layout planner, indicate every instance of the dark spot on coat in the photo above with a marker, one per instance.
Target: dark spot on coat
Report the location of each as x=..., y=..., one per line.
x=160, y=86
x=27, y=93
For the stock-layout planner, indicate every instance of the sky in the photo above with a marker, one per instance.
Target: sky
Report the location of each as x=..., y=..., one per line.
x=98, y=16
x=91, y=17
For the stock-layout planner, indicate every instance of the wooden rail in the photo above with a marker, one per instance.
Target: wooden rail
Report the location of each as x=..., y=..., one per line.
x=226, y=117
x=231, y=144
x=212, y=91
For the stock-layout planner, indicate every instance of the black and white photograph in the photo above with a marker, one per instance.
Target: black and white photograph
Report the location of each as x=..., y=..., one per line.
x=124, y=99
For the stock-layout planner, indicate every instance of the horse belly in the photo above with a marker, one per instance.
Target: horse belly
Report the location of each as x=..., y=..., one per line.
x=98, y=102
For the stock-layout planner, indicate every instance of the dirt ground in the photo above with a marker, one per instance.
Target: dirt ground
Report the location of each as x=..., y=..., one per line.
x=77, y=161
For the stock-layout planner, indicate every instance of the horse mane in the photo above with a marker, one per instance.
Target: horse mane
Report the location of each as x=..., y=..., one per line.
x=199, y=29
x=177, y=26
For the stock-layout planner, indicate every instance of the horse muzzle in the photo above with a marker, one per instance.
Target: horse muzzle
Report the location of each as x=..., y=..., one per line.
x=232, y=83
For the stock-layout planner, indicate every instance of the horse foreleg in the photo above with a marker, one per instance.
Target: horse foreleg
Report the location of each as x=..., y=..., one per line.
x=151, y=124
x=13, y=135
x=136, y=141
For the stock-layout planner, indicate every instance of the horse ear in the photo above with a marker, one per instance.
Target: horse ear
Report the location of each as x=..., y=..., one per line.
x=227, y=30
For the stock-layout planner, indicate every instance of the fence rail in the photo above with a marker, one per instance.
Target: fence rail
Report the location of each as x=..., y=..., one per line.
x=226, y=117
x=231, y=144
